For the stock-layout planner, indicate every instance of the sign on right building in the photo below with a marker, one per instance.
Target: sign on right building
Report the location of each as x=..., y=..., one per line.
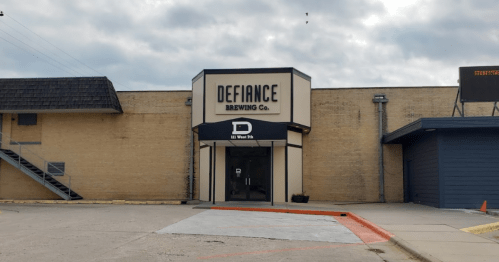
x=479, y=83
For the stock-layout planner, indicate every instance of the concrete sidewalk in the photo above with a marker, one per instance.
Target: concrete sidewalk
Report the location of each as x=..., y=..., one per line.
x=434, y=234
x=493, y=212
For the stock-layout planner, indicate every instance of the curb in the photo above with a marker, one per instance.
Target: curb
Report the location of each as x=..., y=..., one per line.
x=375, y=228
x=292, y=211
x=412, y=250
x=493, y=213
x=108, y=202
x=378, y=230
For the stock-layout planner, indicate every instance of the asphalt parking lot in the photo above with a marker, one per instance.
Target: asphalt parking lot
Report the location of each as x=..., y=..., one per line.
x=177, y=233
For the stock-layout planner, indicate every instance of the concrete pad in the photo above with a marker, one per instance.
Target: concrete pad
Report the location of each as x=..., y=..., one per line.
x=459, y=251
x=264, y=225
x=494, y=236
x=441, y=236
x=403, y=214
x=179, y=247
x=391, y=252
x=468, y=258
x=76, y=244
x=82, y=232
x=418, y=228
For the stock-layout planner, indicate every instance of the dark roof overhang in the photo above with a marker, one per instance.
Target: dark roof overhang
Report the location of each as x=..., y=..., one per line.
x=243, y=132
x=424, y=125
x=58, y=95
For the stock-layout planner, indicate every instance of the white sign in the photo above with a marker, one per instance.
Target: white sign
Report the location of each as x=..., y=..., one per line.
x=236, y=126
x=248, y=98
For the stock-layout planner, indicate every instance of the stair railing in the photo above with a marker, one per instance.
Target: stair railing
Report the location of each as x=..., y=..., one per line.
x=35, y=160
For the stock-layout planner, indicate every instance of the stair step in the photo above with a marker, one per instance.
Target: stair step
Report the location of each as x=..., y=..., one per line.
x=38, y=172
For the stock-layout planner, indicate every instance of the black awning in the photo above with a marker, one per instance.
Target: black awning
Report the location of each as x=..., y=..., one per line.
x=242, y=129
x=422, y=125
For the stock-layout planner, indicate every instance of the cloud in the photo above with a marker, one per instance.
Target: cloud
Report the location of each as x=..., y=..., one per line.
x=163, y=44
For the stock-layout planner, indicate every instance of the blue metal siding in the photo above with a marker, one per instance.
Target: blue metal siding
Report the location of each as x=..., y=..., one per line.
x=423, y=177
x=469, y=166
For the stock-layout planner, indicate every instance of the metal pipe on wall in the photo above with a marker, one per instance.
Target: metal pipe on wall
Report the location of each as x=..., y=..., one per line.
x=214, y=168
x=191, y=166
x=381, y=170
x=272, y=174
x=191, y=156
x=380, y=99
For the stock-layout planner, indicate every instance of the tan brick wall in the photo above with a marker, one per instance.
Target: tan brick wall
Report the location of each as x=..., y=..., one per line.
x=31, y=133
x=16, y=185
x=341, y=151
x=144, y=153
x=141, y=154
x=393, y=172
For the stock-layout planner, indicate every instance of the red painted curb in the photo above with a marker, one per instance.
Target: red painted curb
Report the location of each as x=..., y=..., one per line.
x=378, y=230
x=292, y=211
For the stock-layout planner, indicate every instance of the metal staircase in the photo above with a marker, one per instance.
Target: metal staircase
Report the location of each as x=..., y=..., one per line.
x=38, y=175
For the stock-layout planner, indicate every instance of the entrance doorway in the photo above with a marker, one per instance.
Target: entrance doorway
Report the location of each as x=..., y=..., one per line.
x=247, y=174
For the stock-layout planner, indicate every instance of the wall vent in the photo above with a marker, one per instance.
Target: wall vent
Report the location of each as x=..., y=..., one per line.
x=56, y=168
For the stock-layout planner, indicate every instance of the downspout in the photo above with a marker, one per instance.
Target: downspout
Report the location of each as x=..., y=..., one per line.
x=191, y=167
x=191, y=157
x=380, y=99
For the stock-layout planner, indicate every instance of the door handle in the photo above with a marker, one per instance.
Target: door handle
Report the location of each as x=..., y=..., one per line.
x=249, y=181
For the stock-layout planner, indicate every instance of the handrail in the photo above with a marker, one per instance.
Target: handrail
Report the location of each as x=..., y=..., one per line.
x=45, y=165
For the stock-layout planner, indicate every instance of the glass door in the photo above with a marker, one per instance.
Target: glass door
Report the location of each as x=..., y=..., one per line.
x=248, y=174
x=257, y=178
x=238, y=179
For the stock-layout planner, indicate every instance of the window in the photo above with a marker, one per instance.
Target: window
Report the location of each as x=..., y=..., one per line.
x=26, y=119
x=56, y=168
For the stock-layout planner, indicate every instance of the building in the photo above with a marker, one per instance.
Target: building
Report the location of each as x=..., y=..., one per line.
x=244, y=134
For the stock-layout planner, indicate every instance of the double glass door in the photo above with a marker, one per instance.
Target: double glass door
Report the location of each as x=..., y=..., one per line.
x=248, y=174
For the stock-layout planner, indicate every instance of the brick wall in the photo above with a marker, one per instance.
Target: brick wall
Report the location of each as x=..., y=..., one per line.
x=341, y=151
x=141, y=154
x=144, y=152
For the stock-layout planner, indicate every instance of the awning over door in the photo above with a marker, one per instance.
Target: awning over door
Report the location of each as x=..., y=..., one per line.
x=243, y=132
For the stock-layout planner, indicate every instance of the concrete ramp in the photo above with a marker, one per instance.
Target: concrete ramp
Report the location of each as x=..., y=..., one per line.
x=265, y=225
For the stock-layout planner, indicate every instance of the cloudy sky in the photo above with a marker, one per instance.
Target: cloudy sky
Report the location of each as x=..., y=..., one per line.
x=162, y=45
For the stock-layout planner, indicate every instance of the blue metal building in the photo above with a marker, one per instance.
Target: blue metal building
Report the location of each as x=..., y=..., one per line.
x=450, y=162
